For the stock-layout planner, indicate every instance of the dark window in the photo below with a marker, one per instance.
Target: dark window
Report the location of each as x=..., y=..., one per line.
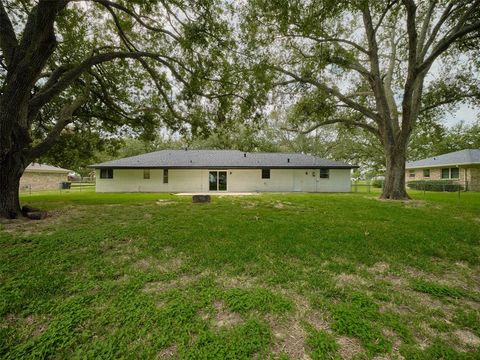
x=454, y=173
x=106, y=173
x=324, y=173
x=265, y=173
x=146, y=173
x=445, y=173
x=426, y=172
x=411, y=173
x=165, y=176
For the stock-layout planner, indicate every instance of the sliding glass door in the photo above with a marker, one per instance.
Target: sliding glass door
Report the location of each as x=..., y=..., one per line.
x=217, y=181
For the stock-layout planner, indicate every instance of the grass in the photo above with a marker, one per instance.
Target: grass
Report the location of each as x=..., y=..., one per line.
x=281, y=276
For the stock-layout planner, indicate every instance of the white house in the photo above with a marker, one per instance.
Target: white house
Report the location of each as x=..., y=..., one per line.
x=222, y=170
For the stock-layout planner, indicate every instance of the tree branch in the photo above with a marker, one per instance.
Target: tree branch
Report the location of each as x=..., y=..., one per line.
x=69, y=76
x=8, y=39
x=138, y=18
x=331, y=40
x=349, y=122
x=354, y=105
x=64, y=118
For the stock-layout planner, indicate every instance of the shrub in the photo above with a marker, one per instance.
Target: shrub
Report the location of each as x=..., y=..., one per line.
x=435, y=185
x=377, y=183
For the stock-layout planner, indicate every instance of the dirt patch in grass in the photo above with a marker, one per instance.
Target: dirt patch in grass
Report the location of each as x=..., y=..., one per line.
x=379, y=268
x=467, y=338
x=235, y=282
x=349, y=347
x=151, y=263
x=162, y=286
x=163, y=202
x=249, y=205
x=224, y=318
x=344, y=279
x=289, y=338
x=24, y=226
x=170, y=352
x=35, y=324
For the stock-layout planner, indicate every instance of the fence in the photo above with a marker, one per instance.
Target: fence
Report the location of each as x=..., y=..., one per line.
x=364, y=186
x=80, y=185
x=368, y=186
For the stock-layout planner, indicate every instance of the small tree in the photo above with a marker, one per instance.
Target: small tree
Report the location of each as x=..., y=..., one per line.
x=112, y=66
x=367, y=63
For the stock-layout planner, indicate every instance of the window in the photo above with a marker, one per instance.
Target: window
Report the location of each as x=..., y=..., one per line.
x=106, y=173
x=445, y=173
x=165, y=176
x=454, y=173
x=411, y=173
x=146, y=174
x=265, y=173
x=324, y=173
x=426, y=173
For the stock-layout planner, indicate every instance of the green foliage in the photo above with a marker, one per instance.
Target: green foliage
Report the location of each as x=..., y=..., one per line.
x=469, y=319
x=322, y=345
x=437, y=290
x=439, y=350
x=261, y=300
x=377, y=183
x=357, y=317
x=241, y=342
x=435, y=185
x=110, y=275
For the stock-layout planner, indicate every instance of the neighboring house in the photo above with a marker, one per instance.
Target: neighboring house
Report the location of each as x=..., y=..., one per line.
x=42, y=177
x=459, y=167
x=222, y=170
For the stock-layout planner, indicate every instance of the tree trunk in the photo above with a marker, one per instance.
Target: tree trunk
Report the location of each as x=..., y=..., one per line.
x=394, y=186
x=11, y=169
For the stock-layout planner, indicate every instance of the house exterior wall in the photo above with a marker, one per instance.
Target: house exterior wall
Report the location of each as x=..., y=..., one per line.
x=473, y=178
x=238, y=180
x=41, y=180
x=469, y=177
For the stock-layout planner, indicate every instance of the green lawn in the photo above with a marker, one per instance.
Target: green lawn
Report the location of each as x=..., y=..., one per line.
x=328, y=276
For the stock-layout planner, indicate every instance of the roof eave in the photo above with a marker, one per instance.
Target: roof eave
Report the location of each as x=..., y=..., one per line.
x=407, y=167
x=100, y=166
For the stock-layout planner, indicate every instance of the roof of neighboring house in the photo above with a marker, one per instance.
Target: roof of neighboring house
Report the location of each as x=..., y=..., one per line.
x=222, y=159
x=35, y=167
x=462, y=157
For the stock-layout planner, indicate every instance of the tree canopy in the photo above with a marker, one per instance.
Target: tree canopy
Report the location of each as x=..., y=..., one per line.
x=382, y=66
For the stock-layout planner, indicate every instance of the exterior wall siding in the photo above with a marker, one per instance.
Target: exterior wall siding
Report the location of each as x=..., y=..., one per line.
x=41, y=181
x=238, y=180
x=468, y=176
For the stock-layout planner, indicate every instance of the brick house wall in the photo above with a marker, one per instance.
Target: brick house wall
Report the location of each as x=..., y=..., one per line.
x=467, y=175
x=473, y=178
x=41, y=180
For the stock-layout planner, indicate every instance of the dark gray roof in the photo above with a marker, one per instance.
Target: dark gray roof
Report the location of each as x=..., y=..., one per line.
x=221, y=159
x=462, y=157
x=36, y=167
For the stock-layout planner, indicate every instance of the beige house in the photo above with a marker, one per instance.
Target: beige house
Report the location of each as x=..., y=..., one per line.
x=459, y=167
x=216, y=171
x=42, y=177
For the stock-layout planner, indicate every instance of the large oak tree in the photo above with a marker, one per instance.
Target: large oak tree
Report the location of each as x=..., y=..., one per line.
x=377, y=65
x=107, y=66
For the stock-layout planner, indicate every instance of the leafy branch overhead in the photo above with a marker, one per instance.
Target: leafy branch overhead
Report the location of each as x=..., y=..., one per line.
x=382, y=66
x=145, y=62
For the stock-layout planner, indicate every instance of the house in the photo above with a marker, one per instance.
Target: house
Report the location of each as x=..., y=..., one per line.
x=459, y=167
x=42, y=177
x=222, y=170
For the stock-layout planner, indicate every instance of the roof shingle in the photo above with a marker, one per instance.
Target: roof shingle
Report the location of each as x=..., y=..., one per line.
x=221, y=159
x=462, y=157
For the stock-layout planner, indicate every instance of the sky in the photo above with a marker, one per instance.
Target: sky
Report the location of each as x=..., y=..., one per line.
x=465, y=113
